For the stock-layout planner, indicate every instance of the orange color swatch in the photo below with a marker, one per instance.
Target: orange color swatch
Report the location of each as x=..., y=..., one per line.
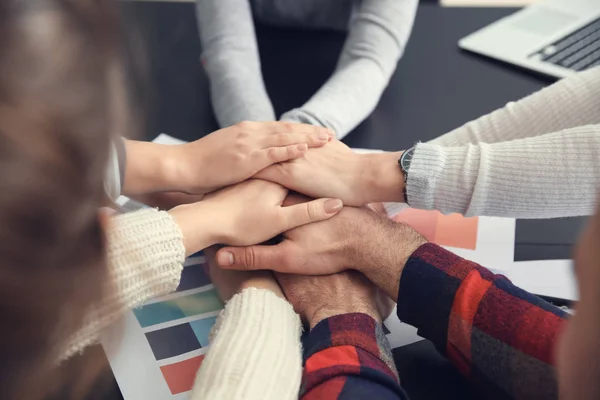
x=180, y=376
x=452, y=230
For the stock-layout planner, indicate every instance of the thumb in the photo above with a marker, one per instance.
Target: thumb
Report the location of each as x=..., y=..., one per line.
x=312, y=211
x=271, y=173
x=254, y=257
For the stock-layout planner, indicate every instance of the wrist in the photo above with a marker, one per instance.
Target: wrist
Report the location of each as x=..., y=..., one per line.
x=196, y=235
x=263, y=280
x=150, y=168
x=383, y=251
x=361, y=307
x=383, y=179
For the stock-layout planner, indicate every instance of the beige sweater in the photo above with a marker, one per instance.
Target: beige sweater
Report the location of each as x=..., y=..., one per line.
x=255, y=352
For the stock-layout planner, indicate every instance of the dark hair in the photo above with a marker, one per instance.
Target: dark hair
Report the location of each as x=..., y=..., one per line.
x=61, y=94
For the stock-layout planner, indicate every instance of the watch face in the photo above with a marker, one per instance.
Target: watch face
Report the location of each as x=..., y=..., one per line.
x=406, y=159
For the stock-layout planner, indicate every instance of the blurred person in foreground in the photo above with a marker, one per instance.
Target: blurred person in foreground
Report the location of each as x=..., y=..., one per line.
x=69, y=269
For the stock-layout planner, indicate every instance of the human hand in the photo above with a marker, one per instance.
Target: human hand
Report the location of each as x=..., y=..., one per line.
x=317, y=298
x=229, y=283
x=356, y=238
x=236, y=153
x=251, y=212
x=334, y=170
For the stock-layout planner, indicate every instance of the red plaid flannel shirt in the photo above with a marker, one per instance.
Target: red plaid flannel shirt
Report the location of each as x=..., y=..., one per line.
x=497, y=335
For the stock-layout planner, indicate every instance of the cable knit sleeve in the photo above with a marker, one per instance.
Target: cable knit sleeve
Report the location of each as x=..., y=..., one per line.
x=570, y=102
x=145, y=260
x=256, y=351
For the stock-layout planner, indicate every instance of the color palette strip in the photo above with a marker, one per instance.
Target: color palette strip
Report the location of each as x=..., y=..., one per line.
x=180, y=376
x=452, y=230
x=180, y=339
x=181, y=307
x=193, y=277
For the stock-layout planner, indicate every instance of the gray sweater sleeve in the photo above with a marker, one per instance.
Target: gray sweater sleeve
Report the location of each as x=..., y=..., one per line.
x=536, y=158
x=378, y=33
x=231, y=60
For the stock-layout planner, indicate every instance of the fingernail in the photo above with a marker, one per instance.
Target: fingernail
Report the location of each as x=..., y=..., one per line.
x=330, y=132
x=323, y=136
x=225, y=258
x=302, y=147
x=333, y=205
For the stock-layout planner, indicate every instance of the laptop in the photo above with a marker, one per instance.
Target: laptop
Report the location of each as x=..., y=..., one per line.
x=553, y=37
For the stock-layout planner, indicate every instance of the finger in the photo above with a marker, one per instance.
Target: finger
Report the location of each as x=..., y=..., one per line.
x=316, y=139
x=294, y=198
x=274, y=155
x=292, y=127
x=312, y=211
x=256, y=257
x=379, y=208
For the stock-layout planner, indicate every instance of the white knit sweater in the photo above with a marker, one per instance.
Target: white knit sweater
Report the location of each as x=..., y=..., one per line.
x=256, y=352
x=536, y=158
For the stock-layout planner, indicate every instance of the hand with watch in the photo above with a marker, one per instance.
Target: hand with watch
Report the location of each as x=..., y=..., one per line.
x=334, y=170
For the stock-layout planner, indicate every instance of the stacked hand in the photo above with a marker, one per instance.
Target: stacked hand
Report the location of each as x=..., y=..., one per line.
x=220, y=159
x=245, y=214
x=355, y=238
x=334, y=170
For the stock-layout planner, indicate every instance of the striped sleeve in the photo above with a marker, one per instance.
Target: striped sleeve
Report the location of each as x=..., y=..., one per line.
x=499, y=336
x=349, y=357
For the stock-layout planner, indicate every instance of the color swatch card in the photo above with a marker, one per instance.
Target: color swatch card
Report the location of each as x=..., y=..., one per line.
x=156, y=350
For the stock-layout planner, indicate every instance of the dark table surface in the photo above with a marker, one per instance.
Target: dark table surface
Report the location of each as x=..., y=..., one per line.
x=436, y=88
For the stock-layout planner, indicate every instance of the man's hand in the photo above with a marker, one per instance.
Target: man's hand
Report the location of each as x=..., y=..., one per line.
x=336, y=171
x=317, y=298
x=228, y=283
x=356, y=238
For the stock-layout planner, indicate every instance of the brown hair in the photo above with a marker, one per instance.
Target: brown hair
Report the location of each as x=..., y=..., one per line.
x=60, y=96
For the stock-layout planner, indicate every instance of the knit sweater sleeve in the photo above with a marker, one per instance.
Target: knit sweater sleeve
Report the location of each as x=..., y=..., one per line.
x=145, y=259
x=377, y=34
x=546, y=176
x=571, y=102
x=255, y=353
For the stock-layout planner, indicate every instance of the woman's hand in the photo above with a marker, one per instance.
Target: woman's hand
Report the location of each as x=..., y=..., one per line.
x=220, y=159
x=334, y=170
x=236, y=153
x=248, y=213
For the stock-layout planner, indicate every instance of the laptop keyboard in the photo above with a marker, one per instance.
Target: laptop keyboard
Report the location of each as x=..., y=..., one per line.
x=578, y=51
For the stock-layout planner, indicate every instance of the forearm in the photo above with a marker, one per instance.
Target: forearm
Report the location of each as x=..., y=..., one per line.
x=145, y=259
x=255, y=352
x=496, y=334
x=551, y=175
x=571, y=102
x=149, y=168
x=231, y=59
x=346, y=355
x=378, y=32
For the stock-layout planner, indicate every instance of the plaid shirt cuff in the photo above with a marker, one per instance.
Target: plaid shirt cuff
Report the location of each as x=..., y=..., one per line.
x=344, y=346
